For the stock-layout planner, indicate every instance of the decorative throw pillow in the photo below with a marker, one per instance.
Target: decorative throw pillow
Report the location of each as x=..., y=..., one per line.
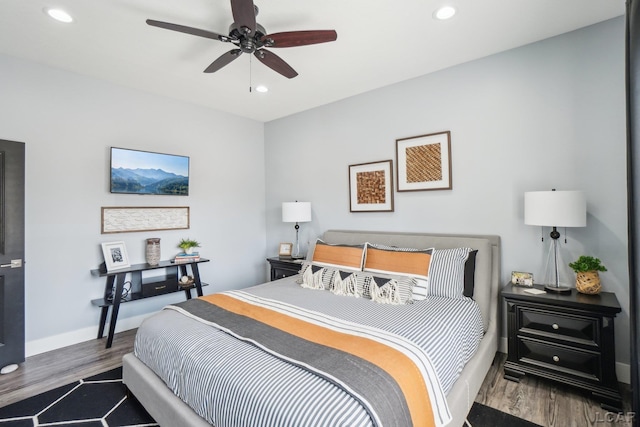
x=405, y=261
x=386, y=288
x=447, y=272
x=345, y=283
x=340, y=256
x=315, y=276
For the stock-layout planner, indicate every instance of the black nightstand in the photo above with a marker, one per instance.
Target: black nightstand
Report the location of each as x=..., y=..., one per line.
x=283, y=267
x=564, y=337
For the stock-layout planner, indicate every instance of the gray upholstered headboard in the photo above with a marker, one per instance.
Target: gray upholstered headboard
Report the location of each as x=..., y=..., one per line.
x=487, y=274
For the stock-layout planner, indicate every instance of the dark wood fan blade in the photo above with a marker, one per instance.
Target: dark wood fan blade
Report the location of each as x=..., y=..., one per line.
x=223, y=60
x=189, y=30
x=299, y=38
x=276, y=63
x=244, y=15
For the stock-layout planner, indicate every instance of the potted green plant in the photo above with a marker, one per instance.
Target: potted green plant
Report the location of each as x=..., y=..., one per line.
x=187, y=245
x=587, y=277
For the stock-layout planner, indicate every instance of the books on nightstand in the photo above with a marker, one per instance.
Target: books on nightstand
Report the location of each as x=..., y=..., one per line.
x=183, y=257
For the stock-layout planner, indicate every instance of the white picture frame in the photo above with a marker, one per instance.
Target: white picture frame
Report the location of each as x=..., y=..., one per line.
x=115, y=255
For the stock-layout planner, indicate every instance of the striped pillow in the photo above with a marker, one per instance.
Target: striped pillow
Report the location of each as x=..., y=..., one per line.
x=342, y=256
x=447, y=272
x=405, y=261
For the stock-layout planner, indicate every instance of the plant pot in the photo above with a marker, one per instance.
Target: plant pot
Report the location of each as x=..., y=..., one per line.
x=588, y=282
x=188, y=251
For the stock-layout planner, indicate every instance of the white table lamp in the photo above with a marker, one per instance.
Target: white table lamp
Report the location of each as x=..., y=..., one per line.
x=555, y=209
x=296, y=212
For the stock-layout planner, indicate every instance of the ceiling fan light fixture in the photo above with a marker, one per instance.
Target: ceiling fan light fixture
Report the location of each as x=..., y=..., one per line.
x=262, y=89
x=444, y=12
x=59, y=15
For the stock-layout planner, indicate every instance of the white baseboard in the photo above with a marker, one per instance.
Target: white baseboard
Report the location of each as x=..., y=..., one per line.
x=623, y=370
x=81, y=335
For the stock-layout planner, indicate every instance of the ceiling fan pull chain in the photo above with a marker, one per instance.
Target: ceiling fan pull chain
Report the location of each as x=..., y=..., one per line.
x=250, y=75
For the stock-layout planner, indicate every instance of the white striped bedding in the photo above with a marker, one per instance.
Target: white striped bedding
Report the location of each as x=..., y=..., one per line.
x=254, y=388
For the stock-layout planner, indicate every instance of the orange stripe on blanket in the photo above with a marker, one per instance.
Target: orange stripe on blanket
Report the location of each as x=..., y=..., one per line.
x=394, y=362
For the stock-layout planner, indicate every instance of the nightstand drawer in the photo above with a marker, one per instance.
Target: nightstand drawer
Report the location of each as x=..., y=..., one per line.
x=584, y=364
x=281, y=268
x=579, y=329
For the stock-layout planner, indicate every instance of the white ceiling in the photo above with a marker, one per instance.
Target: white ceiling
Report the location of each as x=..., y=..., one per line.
x=380, y=42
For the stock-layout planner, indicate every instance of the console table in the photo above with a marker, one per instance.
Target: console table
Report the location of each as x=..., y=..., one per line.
x=142, y=287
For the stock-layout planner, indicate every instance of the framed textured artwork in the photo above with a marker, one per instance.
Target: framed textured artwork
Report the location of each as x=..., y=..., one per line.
x=132, y=219
x=371, y=187
x=424, y=162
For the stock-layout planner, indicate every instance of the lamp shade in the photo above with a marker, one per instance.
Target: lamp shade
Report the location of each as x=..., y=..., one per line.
x=555, y=208
x=296, y=212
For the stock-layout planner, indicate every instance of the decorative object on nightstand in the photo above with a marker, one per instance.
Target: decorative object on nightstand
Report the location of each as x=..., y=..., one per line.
x=284, y=250
x=587, y=277
x=187, y=245
x=296, y=212
x=555, y=209
x=569, y=338
x=522, y=278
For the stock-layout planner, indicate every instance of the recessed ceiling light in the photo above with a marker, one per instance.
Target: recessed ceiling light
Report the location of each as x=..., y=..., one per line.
x=444, y=12
x=58, y=15
x=262, y=89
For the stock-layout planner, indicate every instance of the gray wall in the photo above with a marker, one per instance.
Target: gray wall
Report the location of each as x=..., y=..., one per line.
x=68, y=123
x=547, y=115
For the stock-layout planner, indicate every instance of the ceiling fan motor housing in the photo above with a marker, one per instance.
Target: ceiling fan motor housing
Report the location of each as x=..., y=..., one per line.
x=247, y=43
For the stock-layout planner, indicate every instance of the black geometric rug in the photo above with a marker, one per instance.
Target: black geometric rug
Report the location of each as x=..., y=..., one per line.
x=99, y=401
x=485, y=416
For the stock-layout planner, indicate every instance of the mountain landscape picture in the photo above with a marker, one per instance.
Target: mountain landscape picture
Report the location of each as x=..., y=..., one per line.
x=144, y=172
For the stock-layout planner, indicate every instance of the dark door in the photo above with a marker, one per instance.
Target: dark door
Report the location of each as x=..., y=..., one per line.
x=11, y=253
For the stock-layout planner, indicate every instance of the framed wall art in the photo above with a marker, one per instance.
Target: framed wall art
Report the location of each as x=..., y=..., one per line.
x=371, y=187
x=130, y=219
x=115, y=255
x=424, y=162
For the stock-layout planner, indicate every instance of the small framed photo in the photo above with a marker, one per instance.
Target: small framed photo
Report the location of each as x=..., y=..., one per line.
x=115, y=255
x=521, y=278
x=371, y=187
x=285, y=250
x=424, y=162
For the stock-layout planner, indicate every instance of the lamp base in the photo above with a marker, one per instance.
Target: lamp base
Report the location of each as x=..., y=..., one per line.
x=557, y=289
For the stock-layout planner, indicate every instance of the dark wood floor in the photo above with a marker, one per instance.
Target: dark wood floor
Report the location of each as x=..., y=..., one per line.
x=548, y=403
x=542, y=402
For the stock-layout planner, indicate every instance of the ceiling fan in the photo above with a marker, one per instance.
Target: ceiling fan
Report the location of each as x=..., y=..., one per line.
x=251, y=37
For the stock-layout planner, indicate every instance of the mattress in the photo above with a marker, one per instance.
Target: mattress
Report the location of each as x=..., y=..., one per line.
x=233, y=382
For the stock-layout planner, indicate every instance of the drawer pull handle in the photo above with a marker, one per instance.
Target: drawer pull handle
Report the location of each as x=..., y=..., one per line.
x=555, y=326
x=556, y=359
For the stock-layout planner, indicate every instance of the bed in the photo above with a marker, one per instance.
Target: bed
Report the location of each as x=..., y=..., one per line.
x=163, y=364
